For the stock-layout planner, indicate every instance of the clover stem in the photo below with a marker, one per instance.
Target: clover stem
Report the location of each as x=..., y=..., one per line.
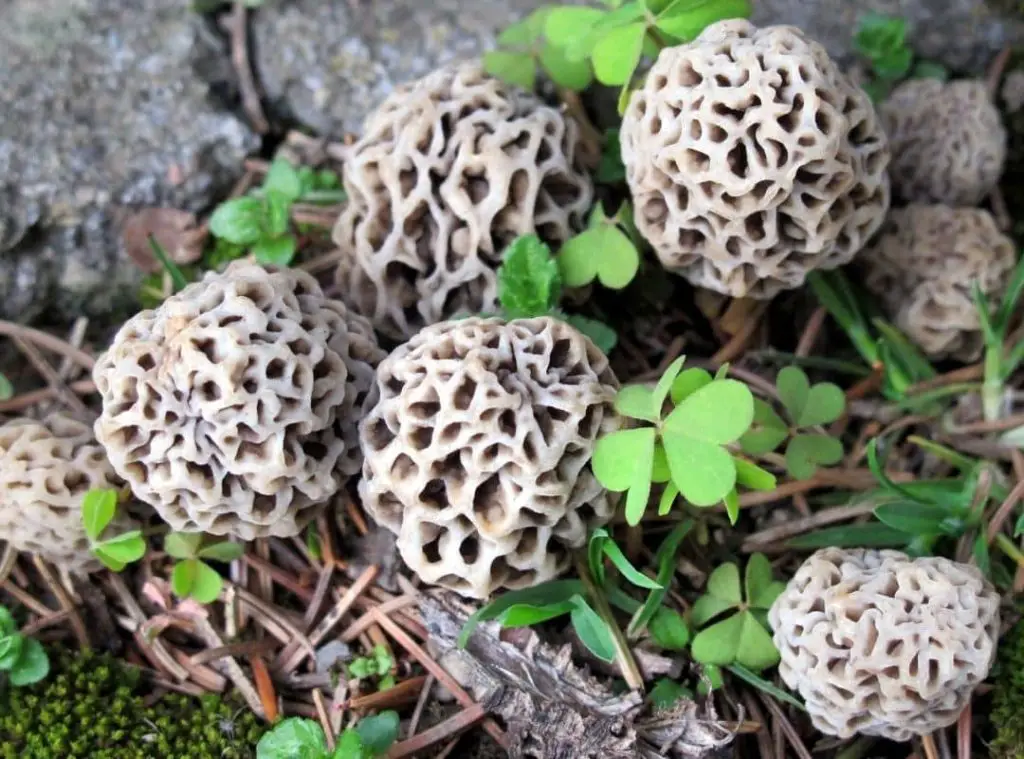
x=623, y=654
x=992, y=388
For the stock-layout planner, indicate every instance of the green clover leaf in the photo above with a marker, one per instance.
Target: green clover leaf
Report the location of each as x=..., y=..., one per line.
x=283, y=179
x=805, y=453
x=519, y=69
x=98, y=507
x=295, y=738
x=604, y=252
x=623, y=461
x=617, y=53
x=183, y=545
x=32, y=664
x=767, y=432
x=686, y=19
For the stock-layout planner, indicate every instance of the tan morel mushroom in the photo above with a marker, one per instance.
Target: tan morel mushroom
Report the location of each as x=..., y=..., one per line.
x=948, y=143
x=921, y=267
x=46, y=468
x=233, y=408
x=753, y=160
x=477, y=452
x=449, y=170
x=881, y=644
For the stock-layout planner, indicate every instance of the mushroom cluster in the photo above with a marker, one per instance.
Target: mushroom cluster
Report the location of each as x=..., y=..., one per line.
x=233, y=408
x=448, y=171
x=753, y=160
x=922, y=266
x=46, y=468
x=477, y=450
x=881, y=644
x=948, y=142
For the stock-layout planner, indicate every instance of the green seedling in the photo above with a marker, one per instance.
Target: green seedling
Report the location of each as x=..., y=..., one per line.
x=530, y=285
x=605, y=251
x=22, y=659
x=192, y=577
x=1002, y=357
x=687, y=448
x=98, y=509
x=742, y=637
x=378, y=665
x=807, y=407
x=299, y=738
x=882, y=41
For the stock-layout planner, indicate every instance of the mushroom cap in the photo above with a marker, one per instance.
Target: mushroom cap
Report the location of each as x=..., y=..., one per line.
x=881, y=644
x=922, y=265
x=46, y=468
x=753, y=160
x=948, y=143
x=449, y=170
x=233, y=408
x=476, y=453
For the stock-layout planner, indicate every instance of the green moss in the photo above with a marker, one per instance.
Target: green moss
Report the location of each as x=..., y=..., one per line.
x=92, y=707
x=1008, y=696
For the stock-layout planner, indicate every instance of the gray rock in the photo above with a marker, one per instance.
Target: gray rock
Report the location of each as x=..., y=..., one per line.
x=962, y=34
x=328, y=64
x=106, y=106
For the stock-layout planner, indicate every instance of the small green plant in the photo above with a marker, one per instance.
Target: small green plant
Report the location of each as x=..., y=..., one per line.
x=882, y=40
x=530, y=285
x=98, y=509
x=574, y=45
x=192, y=577
x=6, y=388
x=378, y=665
x=299, y=738
x=606, y=250
x=22, y=658
x=807, y=407
x=687, y=448
x=1001, y=360
x=611, y=169
x=260, y=222
x=743, y=637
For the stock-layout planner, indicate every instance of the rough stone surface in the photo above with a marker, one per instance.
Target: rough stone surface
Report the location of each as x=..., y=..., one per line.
x=963, y=34
x=106, y=106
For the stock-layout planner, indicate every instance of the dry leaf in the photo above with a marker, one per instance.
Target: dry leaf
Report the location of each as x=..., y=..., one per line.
x=176, y=231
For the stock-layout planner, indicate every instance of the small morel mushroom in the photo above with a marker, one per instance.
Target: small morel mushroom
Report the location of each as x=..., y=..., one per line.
x=881, y=644
x=753, y=160
x=233, y=408
x=46, y=468
x=476, y=454
x=947, y=140
x=449, y=170
x=921, y=267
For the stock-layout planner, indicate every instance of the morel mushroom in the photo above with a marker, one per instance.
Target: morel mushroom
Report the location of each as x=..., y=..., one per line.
x=947, y=140
x=476, y=454
x=922, y=265
x=233, y=408
x=46, y=468
x=753, y=160
x=881, y=644
x=449, y=170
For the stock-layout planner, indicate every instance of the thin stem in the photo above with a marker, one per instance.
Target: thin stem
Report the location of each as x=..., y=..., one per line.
x=623, y=655
x=1010, y=549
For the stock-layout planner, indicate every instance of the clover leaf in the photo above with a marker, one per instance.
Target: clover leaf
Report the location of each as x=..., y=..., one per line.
x=192, y=577
x=742, y=637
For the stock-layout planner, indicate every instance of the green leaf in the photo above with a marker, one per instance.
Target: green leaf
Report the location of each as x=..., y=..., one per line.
x=756, y=649
x=575, y=75
x=525, y=33
x=667, y=693
x=275, y=251
x=593, y=631
x=183, y=577
x=688, y=383
x=611, y=169
x=775, y=692
x=566, y=24
x=207, y=584
x=805, y=452
x=239, y=221
x=283, y=179
x=668, y=497
x=277, y=214
x=916, y=518
x=32, y=665
x=621, y=459
x=718, y=413
x=758, y=576
x=929, y=70
x=348, y=746
x=7, y=624
x=719, y=643
x=703, y=472
x=666, y=383
x=378, y=732
x=293, y=738
x=600, y=334
x=669, y=630
x=604, y=252
x=223, y=551
x=98, y=508
x=752, y=476
x=628, y=571
x=539, y=595
x=794, y=389
x=6, y=388
x=529, y=284
x=877, y=468
x=825, y=403
x=519, y=69
x=125, y=548
x=178, y=279
x=732, y=505
x=182, y=545
x=10, y=650
x=768, y=595
x=686, y=19
x=637, y=402
x=617, y=54
x=870, y=535
x=767, y=432
x=981, y=554
x=110, y=563
x=895, y=65
x=660, y=473
x=522, y=615
x=665, y=558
